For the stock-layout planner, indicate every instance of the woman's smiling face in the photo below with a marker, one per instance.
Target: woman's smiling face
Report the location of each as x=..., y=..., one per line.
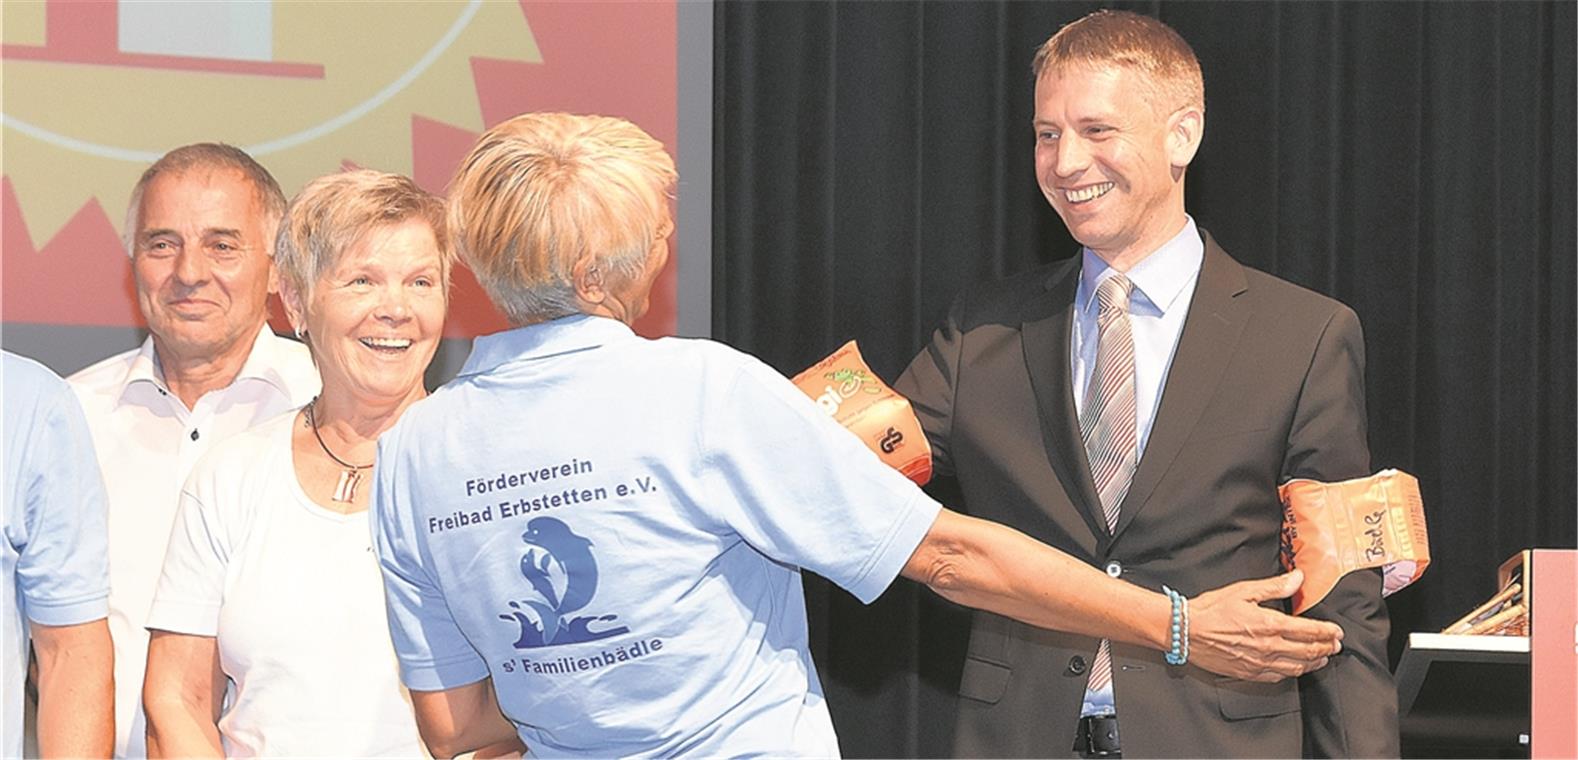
x=375, y=318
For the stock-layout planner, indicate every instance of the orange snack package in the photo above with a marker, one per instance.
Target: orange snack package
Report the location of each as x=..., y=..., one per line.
x=1332, y=529
x=844, y=387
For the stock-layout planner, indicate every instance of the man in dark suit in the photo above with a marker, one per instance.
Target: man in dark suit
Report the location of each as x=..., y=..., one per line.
x=1137, y=407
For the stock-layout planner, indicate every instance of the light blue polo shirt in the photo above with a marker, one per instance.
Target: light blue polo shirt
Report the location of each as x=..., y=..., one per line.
x=613, y=528
x=54, y=554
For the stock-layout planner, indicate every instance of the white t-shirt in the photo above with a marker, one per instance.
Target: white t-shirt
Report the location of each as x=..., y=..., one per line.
x=292, y=592
x=147, y=442
x=613, y=529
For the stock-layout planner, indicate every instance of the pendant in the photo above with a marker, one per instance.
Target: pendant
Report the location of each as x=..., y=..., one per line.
x=345, y=491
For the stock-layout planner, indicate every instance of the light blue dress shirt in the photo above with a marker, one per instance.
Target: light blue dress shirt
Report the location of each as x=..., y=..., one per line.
x=1163, y=289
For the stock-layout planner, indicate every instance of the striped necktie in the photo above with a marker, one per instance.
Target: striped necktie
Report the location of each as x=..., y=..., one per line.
x=1107, y=422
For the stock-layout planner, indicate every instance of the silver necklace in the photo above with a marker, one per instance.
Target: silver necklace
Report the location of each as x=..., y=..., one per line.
x=351, y=476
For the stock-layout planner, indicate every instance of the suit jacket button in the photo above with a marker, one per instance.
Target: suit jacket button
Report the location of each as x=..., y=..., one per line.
x=1115, y=568
x=1076, y=665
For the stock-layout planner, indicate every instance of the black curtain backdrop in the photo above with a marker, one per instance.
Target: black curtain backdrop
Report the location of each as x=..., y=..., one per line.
x=1415, y=160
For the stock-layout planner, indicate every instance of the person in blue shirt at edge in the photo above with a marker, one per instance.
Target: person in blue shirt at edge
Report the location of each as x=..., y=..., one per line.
x=592, y=540
x=56, y=577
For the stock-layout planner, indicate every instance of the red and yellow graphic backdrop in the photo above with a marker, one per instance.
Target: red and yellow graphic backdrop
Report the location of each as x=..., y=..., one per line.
x=94, y=91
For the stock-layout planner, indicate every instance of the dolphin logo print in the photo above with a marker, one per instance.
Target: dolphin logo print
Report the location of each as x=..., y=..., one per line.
x=559, y=566
x=574, y=554
x=538, y=572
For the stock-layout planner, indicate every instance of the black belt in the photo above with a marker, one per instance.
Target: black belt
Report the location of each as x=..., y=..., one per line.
x=1098, y=737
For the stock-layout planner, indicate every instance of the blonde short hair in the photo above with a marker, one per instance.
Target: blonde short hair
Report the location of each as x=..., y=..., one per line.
x=543, y=192
x=1139, y=43
x=207, y=156
x=335, y=211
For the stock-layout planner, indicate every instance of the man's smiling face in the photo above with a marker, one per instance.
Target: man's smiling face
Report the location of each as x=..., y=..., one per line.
x=1110, y=160
x=201, y=261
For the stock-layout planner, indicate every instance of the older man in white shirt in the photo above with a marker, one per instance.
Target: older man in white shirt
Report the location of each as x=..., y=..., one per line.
x=200, y=233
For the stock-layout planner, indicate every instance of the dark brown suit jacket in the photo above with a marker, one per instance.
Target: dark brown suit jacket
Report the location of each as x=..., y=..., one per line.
x=1267, y=384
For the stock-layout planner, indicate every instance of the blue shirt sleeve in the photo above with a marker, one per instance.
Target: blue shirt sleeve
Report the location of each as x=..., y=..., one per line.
x=434, y=655
x=803, y=490
x=62, y=569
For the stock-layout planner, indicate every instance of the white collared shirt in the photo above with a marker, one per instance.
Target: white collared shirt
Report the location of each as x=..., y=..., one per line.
x=147, y=441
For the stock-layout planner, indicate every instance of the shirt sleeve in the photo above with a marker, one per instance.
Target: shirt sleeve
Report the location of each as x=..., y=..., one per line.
x=62, y=572
x=434, y=655
x=803, y=490
x=192, y=582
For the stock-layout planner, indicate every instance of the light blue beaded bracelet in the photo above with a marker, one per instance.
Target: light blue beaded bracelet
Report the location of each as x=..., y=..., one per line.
x=1180, y=627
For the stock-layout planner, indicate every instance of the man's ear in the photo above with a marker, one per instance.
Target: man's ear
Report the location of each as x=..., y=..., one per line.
x=273, y=276
x=295, y=309
x=1185, y=129
x=589, y=278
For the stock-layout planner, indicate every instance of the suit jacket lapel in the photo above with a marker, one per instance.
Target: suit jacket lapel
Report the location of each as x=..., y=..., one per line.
x=1045, y=336
x=1210, y=335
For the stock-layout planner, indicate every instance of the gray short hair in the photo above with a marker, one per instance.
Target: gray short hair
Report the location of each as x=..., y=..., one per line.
x=544, y=191
x=208, y=156
x=335, y=211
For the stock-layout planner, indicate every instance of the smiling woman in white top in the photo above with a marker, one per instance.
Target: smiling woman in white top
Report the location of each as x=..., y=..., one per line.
x=269, y=585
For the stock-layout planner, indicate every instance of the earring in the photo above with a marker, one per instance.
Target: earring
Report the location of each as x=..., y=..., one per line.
x=300, y=333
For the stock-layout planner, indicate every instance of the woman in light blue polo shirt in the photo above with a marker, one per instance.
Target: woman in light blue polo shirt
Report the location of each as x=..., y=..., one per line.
x=593, y=540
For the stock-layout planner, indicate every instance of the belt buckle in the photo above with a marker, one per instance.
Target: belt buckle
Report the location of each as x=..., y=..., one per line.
x=1098, y=737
